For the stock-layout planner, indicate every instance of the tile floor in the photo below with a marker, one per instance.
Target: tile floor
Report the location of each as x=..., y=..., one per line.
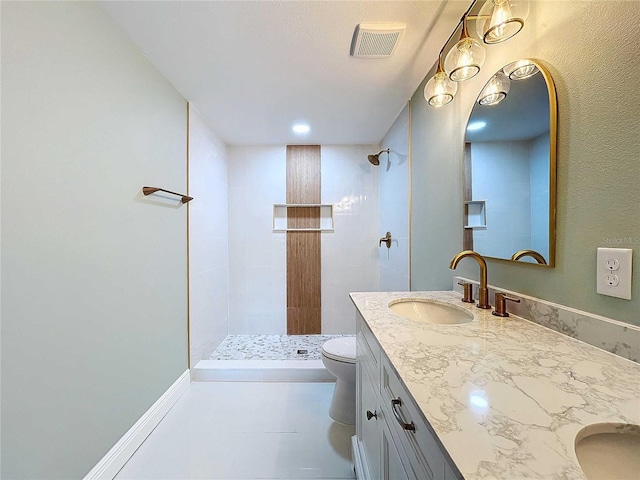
x=247, y=430
x=271, y=347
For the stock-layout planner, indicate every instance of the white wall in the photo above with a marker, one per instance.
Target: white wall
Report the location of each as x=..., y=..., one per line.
x=257, y=256
x=539, y=177
x=208, y=239
x=394, y=206
x=350, y=254
x=94, y=298
x=501, y=177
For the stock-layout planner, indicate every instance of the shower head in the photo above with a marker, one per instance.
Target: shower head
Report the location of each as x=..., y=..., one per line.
x=375, y=159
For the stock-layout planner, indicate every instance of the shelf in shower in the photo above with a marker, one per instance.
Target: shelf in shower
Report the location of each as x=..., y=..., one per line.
x=476, y=214
x=319, y=213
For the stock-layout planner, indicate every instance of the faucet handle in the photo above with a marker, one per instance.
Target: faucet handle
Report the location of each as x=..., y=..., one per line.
x=468, y=292
x=386, y=239
x=501, y=304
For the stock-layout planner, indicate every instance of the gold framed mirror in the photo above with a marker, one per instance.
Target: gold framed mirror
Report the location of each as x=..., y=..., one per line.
x=510, y=166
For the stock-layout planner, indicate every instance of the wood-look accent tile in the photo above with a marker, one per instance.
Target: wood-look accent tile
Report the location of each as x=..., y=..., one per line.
x=303, y=320
x=303, y=174
x=467, y=235
x=303, y=248
x=303, y=217
x=303, y=272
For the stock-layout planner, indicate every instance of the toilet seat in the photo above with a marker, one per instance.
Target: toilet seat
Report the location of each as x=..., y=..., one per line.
x=342, y=349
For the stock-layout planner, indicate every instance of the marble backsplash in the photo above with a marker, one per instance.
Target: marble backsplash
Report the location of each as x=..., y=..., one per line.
x=619, y=338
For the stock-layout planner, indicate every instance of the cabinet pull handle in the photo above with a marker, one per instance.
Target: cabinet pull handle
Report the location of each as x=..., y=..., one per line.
x=407, y=426
x=372, y=415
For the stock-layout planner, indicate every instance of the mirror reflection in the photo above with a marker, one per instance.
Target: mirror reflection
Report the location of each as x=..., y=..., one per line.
x=510, y=166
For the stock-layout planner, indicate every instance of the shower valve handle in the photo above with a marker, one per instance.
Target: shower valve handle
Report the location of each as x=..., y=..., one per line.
x=386, y=239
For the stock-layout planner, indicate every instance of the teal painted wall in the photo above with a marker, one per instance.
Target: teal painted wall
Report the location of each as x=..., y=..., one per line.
x=590, y=50
x=94, y=296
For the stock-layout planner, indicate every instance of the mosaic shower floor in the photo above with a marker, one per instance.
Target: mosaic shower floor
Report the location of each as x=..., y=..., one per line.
x=271, y=347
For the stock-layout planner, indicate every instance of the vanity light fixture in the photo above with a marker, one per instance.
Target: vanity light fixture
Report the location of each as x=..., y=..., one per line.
x=499, y=20
x=521, y=69
x=495, y=90
x=440, y=90
x=465, y=58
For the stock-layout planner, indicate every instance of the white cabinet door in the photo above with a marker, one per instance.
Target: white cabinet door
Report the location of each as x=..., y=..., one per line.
x=386, y=448
x=392, y=462
x=369, y=423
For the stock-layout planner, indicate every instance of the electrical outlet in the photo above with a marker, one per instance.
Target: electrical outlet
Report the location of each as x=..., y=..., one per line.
x=611, y=280
x=614, y=272
x=612, y=264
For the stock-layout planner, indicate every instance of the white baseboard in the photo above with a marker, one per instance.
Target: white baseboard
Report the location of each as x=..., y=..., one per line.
x=114, y=460
x=359, y=465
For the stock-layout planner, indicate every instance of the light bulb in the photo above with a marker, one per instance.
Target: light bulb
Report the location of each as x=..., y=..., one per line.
x=520, y=70
x=499, y=20
x=439, y=90
x=495, y=90
x=465, y=59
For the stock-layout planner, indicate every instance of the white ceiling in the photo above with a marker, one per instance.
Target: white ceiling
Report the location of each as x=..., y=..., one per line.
x=253, y=68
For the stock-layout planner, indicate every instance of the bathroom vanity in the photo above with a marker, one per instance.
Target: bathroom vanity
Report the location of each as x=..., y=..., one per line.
x=489, y=398
x=392, y=440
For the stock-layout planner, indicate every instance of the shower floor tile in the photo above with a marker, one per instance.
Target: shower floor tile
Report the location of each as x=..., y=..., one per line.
x=271, y=347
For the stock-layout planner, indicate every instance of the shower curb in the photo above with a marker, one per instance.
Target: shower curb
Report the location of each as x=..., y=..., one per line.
x=261, y=371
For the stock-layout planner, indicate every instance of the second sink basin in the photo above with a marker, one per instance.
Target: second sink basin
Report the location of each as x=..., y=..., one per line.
x=609, y=451
x=430, y=311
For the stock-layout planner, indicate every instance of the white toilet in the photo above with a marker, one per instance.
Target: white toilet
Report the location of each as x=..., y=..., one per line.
x=339, y=357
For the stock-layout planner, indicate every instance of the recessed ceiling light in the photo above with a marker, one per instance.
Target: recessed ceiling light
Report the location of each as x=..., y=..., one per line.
x=301, y=128
x=479, y=125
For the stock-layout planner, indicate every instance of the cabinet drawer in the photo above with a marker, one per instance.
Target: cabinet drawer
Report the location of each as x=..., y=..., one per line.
x=368, y=351
x=423, y=450
x=365, y=358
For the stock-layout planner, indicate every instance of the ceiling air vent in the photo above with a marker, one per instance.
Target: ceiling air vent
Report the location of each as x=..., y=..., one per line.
x=376, y=40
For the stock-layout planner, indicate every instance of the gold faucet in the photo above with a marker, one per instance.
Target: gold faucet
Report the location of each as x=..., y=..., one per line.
x=529, y=253
x=483, y=291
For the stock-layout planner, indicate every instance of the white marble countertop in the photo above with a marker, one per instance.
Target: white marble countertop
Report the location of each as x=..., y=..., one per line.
x=505, y=396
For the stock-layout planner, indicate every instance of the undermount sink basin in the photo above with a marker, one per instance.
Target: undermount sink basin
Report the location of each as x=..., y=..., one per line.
x=609, y=451
x=430, y=312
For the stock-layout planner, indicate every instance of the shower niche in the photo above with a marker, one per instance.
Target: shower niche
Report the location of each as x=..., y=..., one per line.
x=319, y=217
